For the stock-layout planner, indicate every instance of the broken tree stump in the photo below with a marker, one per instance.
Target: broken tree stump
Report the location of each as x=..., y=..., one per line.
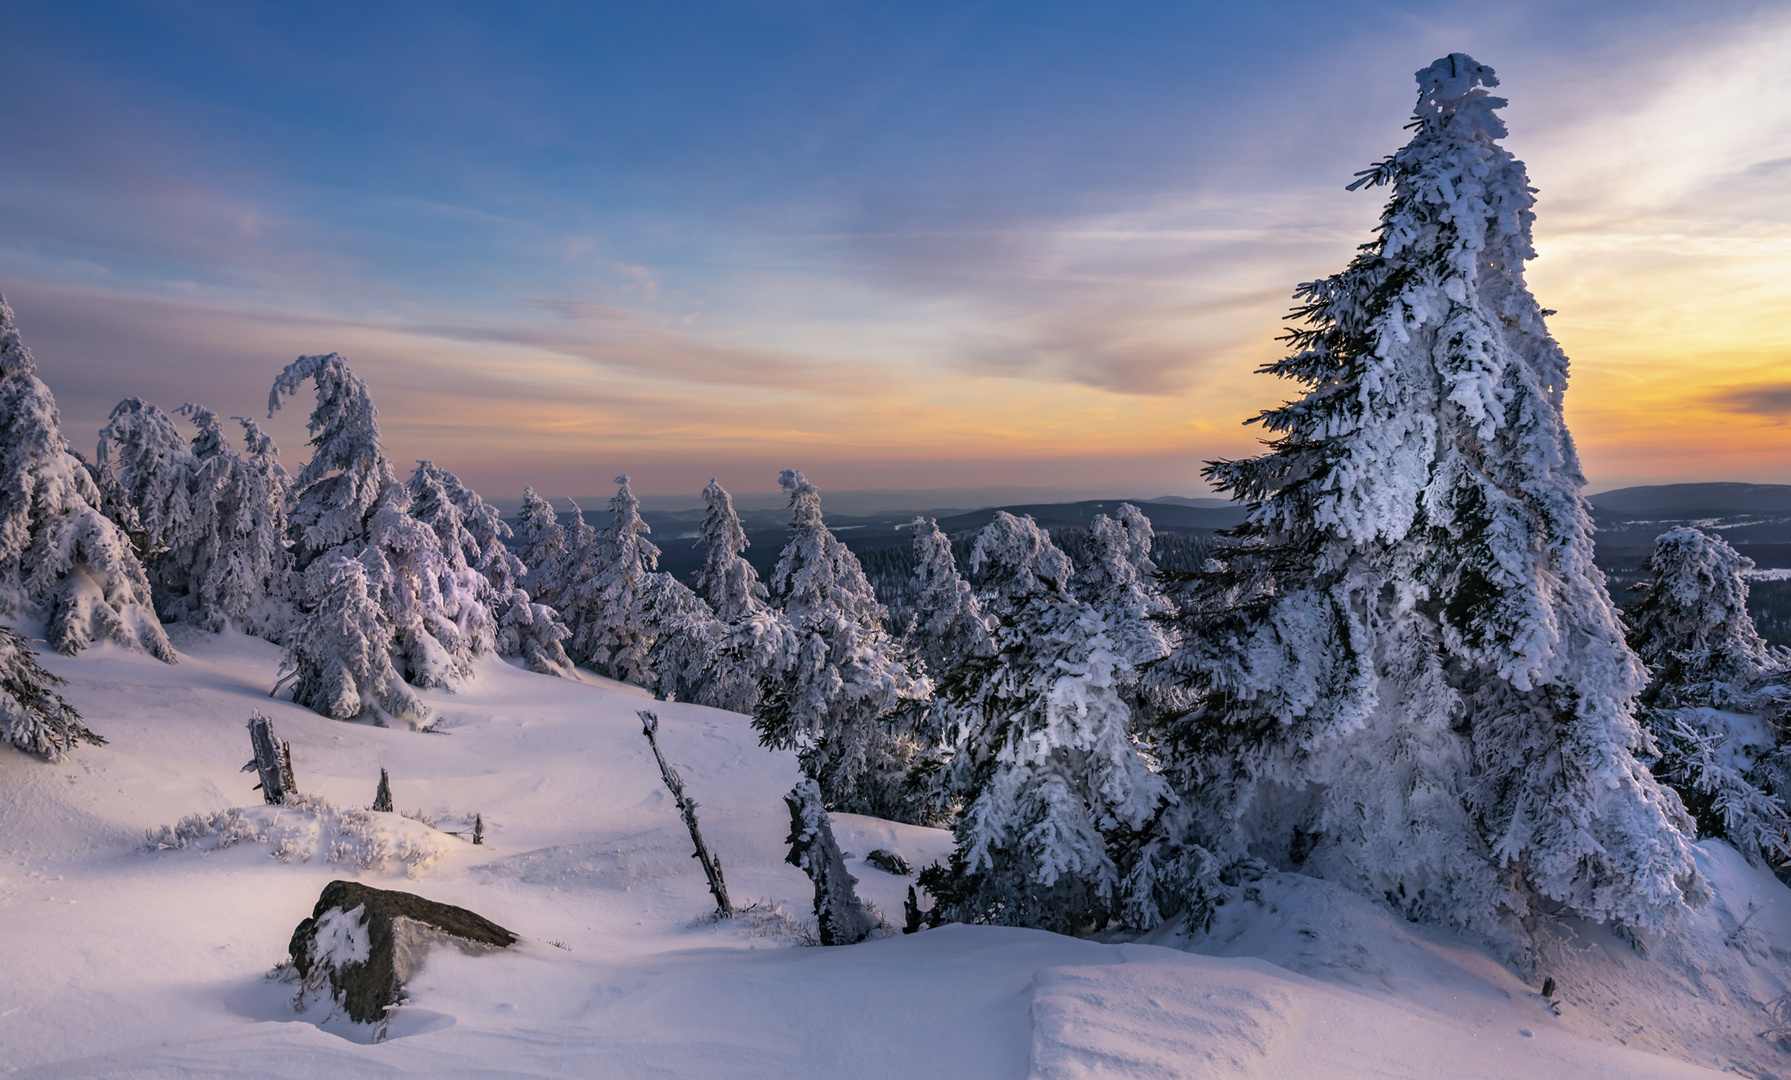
x=687, y=808
x=840, y=916
x=273, y=761
x=364, y=943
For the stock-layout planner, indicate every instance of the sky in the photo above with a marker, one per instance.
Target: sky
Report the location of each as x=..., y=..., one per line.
x=907, y=246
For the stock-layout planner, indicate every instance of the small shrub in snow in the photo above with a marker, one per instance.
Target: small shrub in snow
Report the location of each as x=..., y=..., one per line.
x=222, y=828
x=309, y=828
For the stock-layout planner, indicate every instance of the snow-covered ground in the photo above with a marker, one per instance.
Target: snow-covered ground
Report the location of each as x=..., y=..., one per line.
x=116, y=960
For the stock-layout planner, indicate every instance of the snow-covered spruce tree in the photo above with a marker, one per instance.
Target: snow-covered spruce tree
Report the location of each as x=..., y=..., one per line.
x=752, y=637
x=604, y=601
x=339, y=657
x=348, y=504
x=525, y=629
x=541, y=544
x=1411, y=677
x=143, y=456
x=1043, y=758
x=835, y=694
x=241, y=571
x=1716, y=701
x=61, y=559
x=338, y=491
x=684, y=659
x=209, y=523
x=33, y=716
x=440, y=501
x=1118, y=580
x=1691, y=624
x=949, y=625
x=948, y=628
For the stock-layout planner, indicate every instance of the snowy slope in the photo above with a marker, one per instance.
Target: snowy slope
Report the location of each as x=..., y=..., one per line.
x=117, y=961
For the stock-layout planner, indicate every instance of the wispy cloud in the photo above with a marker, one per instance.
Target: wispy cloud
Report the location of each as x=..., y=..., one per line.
x=1773, y=401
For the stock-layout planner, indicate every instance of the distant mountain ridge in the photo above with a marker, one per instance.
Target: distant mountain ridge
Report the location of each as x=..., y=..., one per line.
x=1697, y=500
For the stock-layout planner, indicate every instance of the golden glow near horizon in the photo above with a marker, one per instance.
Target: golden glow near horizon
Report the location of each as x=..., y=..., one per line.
x=1664, y=237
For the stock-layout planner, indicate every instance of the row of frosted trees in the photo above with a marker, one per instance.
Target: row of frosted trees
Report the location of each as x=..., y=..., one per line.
x=1403, y=673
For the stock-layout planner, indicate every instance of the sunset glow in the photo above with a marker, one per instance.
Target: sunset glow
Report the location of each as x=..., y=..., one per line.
x=899, y=253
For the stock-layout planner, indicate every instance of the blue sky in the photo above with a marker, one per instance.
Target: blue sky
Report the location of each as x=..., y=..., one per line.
x=897, y=245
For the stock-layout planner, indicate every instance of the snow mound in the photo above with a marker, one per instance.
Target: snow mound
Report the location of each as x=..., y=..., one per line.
x=308, y=827
x=1710, y=989
x=1155, y=1019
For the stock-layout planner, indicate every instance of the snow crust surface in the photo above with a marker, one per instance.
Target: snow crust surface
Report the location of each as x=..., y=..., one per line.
x=121, y=958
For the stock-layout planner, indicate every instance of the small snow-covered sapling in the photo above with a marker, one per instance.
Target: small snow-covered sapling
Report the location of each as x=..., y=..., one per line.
x=840, y=916
x=382, y=798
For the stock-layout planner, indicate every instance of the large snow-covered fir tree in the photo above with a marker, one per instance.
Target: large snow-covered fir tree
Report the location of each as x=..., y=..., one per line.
x=834, y=695
x=1411, y=677
x=338, y=491
x=61, y=559
x=1718, y=695
x=33, y=716
x=1043, y=757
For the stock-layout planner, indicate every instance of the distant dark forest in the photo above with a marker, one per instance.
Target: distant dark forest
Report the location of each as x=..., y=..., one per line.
x=1756, y=518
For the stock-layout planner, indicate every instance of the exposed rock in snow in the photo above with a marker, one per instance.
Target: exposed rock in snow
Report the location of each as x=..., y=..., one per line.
x=366, y=943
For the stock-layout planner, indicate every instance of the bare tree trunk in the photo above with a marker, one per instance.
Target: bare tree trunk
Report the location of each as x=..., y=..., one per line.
x=687, y=807
x=273, y=761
